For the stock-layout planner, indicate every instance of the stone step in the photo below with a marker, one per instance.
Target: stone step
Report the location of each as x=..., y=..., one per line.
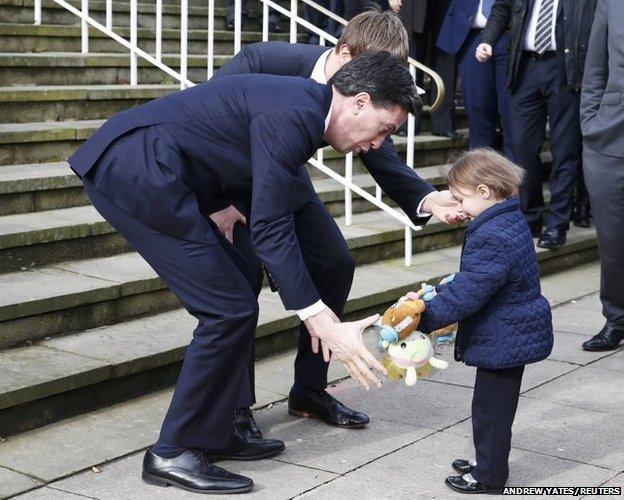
x=69, y=68
x=21, y=11
x=20, y=38
x=63, y=376
x=35, y=142
x=71, y=296
x=79, y=102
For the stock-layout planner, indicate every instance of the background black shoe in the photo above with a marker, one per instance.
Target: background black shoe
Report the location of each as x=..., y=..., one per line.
x=245, y=423
x=582, y=213
x=552, y=237
x=462, y=466
x=606, y=339
x=322, y=405
x=536, y=228
x=244, y=446
x=459, y=484
x=192, y=471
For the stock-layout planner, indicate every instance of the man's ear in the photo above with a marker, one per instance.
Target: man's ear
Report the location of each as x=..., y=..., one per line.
x=344, y=54
x=359, y=101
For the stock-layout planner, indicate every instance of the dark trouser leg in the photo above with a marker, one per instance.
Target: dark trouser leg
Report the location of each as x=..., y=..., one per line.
x=528, y=127
x=604, y=177
x=501, y=57
x=212, y=289
x=229, y=14
x=443, y=120
x=494, y=404
x=331, y=266
x=479, y=85
x=565, y=145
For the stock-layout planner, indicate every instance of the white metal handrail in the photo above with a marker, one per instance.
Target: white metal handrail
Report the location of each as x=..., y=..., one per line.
x=181, y=75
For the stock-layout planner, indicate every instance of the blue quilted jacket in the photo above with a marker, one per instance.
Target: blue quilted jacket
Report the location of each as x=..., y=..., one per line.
x=504, y=321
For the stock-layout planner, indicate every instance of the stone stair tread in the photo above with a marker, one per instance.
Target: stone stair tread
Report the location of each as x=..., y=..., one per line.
x=65, y=363
x=94, y=59
x=83, y=92
x=32, y=172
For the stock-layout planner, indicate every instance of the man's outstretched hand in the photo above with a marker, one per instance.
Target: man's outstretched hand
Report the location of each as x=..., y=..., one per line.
x=444, y=207
x=344, y=341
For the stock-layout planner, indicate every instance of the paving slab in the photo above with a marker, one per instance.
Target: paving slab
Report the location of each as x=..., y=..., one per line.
x=12, y=482
x=572, y=283
x=563, y=431
x=48, y=493
x=583, y=317
x=418, y=471
x=121, y=479
x=587, y=387
x=315, y=445
x=567, y=348
x=613, y=361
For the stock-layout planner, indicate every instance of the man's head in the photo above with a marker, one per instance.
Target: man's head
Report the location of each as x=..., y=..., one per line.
x=372, y=96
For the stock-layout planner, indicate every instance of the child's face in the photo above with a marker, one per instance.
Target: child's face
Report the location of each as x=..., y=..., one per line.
x=471, y=202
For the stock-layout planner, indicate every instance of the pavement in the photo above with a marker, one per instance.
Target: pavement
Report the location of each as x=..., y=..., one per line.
x=567, y=430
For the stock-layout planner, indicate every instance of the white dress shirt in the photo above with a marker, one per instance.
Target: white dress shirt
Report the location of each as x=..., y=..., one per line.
x=529, y=39
x=479, y=20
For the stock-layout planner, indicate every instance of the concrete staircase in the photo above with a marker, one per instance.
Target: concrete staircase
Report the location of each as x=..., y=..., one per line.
x=84, y=321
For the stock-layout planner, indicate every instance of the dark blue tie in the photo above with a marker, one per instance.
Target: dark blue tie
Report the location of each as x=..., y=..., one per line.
x=486, y=7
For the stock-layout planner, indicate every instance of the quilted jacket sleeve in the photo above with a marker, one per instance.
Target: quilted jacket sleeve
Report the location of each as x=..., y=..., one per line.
x=484, y=269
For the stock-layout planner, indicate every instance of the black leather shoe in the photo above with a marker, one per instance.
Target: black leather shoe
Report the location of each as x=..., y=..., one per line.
x=462, y=466
x=582, y=213
x=192, y=471
x=449, y=135
x=607, y=339
x=552, y=237
x=321, y=405
x=536, y=228
x=246, y=442
x=459, y=484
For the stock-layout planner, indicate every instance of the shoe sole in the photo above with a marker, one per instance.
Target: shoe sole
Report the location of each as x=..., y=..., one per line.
x=592, y=349
x=247, y=459
x=159, y=481
x=305, y=414
x=494, y=491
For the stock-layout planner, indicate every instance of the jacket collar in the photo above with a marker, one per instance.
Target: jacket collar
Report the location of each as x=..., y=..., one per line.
x=509, y=205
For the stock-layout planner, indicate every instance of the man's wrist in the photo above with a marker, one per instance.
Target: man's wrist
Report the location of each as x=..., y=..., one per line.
x=422, y=211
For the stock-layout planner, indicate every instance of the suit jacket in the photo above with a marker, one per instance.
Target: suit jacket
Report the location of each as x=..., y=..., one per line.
x=398, y=181
x=602, y=97
x=413, y=14
x=457, y=24
x=243, y=139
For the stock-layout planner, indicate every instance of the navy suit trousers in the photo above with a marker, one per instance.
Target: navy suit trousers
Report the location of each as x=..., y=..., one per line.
x=540, y=96
x=485, y=93
x=494, y=403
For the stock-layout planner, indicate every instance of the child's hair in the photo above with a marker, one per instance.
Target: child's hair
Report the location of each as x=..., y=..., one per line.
x=486, y=166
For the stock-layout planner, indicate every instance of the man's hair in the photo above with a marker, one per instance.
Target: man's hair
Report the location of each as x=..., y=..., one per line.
x=386, y=79
x=373, y=31
x=486, y=166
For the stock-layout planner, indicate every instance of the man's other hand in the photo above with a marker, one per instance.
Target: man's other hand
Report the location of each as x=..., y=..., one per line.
x=484, y=52
x=225, y=220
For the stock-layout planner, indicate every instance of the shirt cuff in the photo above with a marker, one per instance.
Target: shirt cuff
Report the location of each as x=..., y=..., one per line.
x=419, y=212
x=312, y=310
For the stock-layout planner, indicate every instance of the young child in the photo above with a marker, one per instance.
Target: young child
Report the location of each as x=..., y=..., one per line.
x=504, y=321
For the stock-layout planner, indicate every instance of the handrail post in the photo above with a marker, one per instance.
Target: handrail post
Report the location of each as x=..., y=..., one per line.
x=109, y=14
x=293, y=21
x=37, y=11
x=348, y=194
x=211, y=7
x=238, y=4
x=183, y=42
x=84, y=26
x=159, y=30
x=265, y=22
x=133, y=42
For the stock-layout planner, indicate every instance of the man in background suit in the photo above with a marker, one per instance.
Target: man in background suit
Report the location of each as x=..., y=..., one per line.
x=242, y=141
x=547, y=40
x=423, y=20
x=484, y=85
x=371, y=30
x=602, y=122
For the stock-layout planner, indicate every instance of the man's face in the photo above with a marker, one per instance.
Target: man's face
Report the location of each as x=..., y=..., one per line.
x=359, y=126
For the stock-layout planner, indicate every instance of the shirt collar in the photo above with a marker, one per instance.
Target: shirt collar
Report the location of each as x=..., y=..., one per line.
x=318, y=72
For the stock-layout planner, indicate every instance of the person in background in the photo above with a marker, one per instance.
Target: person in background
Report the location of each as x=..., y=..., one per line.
x=484, y=85
x=548, y=43
x=602, y=123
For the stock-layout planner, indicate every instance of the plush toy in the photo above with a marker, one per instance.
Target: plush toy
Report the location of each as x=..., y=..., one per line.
x=399, y=321
x=410, y=358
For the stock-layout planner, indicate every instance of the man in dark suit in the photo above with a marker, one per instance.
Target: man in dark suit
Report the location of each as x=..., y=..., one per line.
x=602, y=122
x=242, y=141
x=484, y=85
x=371, y=30
x=547, y=47
x=423, y=21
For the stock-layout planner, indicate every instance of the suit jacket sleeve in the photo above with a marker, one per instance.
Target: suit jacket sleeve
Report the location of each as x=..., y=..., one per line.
x=497, y=23
x=397, y=180
x=596, y=67
x=281, y=141
x=485, y=268
x=247, y=61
